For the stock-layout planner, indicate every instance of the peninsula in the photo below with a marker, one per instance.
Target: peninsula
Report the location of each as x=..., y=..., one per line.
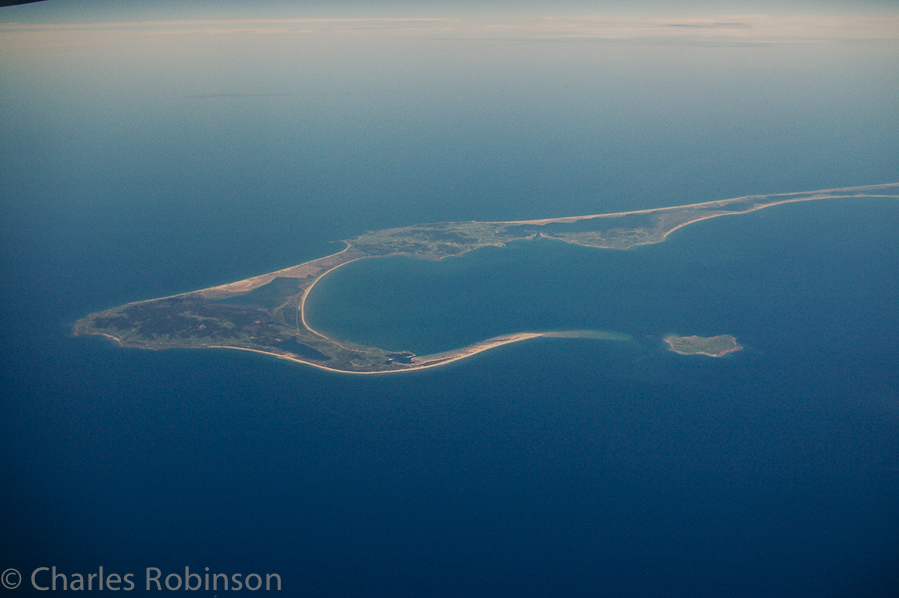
x=266, y=313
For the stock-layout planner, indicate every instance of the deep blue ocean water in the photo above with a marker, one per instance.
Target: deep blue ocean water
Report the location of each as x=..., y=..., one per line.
x=767, y=460
x=547, y=468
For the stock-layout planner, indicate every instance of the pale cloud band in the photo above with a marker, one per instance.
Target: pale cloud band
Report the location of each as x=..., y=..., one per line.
x=707, y=29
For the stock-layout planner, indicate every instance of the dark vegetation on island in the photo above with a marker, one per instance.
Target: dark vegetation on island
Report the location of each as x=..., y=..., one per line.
x=276, y=293
x=184, y=318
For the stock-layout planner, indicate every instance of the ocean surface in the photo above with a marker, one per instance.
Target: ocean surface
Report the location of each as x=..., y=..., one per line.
x=546, y=468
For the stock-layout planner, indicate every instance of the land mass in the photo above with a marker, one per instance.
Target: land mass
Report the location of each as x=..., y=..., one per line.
x=267, y=313
x=713, y=346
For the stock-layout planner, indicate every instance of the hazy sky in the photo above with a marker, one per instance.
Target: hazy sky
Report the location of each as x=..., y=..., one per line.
x=54, y=9
x=540, y=102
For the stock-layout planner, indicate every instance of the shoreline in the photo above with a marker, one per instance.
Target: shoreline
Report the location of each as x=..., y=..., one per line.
x=672, y=340
x=432, y=360
x=716, y=202
x=427, y=361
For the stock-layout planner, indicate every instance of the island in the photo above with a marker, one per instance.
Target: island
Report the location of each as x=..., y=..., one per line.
x=266, y=313
x=713, y=346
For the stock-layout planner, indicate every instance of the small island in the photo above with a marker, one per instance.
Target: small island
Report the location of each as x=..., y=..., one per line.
x=267, y=313
x=713, y=346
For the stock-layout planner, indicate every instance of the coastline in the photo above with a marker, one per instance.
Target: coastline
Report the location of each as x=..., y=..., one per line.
x=427, y=361
x=432, y=241
x=695, y=345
